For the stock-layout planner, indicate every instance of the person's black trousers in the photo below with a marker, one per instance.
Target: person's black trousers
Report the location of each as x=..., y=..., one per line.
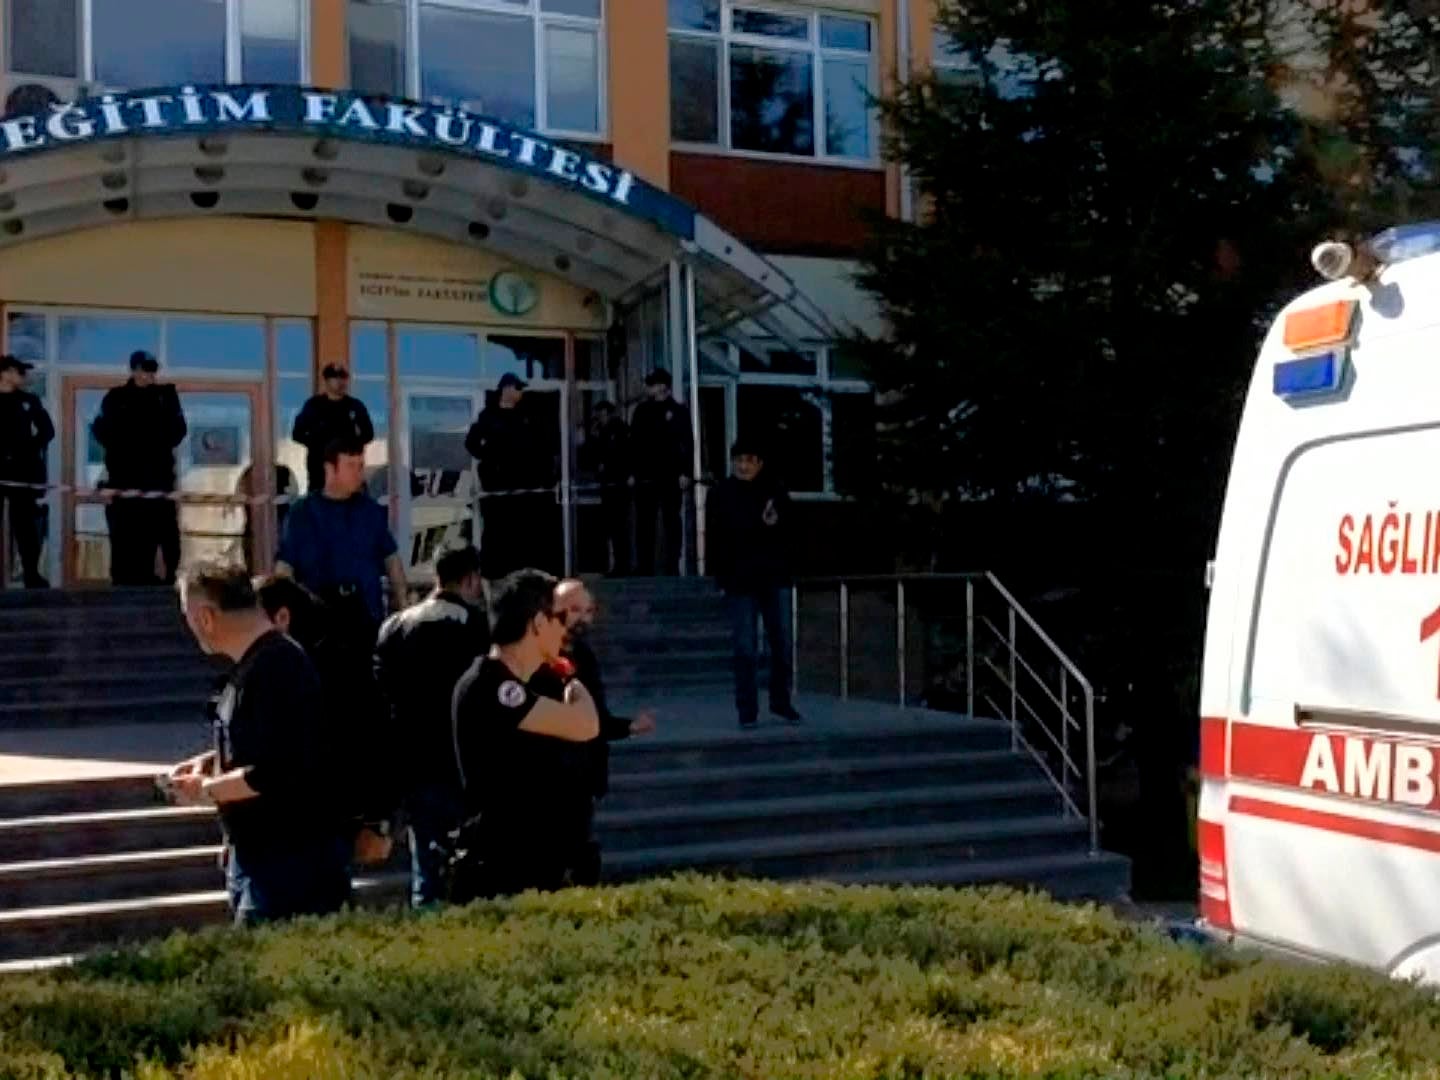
x=23, y=511
x=663, y=498
x=615, y=509
x=770, y=606
x=138, y=527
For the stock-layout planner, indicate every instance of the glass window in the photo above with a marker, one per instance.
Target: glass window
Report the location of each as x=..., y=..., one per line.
x=847, y=363
x=377, y=46
x=694, y=90
x=291, y=393
x=44, y=37
x=695, y=14
x=838, y=33
x=528, y=357
x=92, y=339
x=772, y=105
x=26, y=336
x=158, y=42
x=572, y=60
x=585, y=9
x=483, y=62
x=852, y=427
x=445, y=354
x=590, y=360
x=270, y=41
x=795, y=27
x=294, y=348
x=368, y=350
x=375, y=393
x=778, y=362
x=215, y=344
x=789, y=423
x=847, y=108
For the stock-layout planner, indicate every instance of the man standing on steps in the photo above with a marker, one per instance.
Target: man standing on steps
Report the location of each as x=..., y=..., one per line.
x=750, y=556
x=271, y=773
x=421, y=654
x=590, y=764
x=662, y=445
x=330, y=415
x=512, y=463
x=25, y=432
x=139, y=426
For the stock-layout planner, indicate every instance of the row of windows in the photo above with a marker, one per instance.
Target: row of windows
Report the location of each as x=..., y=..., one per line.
x=769, y=80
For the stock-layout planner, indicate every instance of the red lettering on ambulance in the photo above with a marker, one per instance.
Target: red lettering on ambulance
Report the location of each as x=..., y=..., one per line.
x=1389, y=543
x=1365, y=553
x=1408, y=563
x=1347, y=547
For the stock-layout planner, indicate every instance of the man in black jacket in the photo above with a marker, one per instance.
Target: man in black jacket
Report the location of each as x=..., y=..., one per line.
x=607, y=452
x=421, y=654
x=663, y=446
x=25, y=432
x=330, y=416
x=513, y=463
x=140, y=424
x=749, y=542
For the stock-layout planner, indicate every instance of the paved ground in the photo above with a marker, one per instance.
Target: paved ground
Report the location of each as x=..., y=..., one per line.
x=119, y=750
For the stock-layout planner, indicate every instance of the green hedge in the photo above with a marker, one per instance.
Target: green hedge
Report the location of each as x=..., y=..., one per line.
x=694, y=977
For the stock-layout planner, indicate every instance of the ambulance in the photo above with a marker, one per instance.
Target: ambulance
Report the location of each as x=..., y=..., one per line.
x=1319, y=809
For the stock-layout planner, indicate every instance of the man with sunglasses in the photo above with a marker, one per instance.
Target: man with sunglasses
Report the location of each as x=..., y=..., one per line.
x=140, y=425
x=330, y=416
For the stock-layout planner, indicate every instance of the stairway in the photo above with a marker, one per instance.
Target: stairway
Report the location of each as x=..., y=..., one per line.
x=662, y=636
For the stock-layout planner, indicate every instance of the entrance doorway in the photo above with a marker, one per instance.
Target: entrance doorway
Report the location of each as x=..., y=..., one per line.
x=223, y=461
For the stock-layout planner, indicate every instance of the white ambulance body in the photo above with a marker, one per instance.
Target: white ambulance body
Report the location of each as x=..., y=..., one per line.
x=1320, y=734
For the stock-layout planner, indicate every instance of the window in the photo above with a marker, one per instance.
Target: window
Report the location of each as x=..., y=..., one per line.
x=953, y=66
x=771, y=80
x=533, y=63
x=807, y=408
x=137, y=43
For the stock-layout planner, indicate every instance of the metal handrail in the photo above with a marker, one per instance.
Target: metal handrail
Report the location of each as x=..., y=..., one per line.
x=1016, y=664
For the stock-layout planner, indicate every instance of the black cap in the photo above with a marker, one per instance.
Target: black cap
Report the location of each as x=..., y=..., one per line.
x=511, y=379
x=659, y=378
x=335, y=371
x=140, y=360
x=14, y=363
x=744, y=445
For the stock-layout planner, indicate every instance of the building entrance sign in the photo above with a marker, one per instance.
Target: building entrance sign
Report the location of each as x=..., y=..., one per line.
x=293, y=110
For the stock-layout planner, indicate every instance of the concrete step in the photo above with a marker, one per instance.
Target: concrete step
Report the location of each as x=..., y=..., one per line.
x=1067, y=876
x=93, y=617
x=758, y=819
x=59, y=797
x=827, y=854
x=123, y=876
x=88, y=599
x=68, y=929
x=136, y=709
x=63, y=664
x=107, y=832
x=78, y=688
x=882, y=772
x=769, y=746
x=27, y=644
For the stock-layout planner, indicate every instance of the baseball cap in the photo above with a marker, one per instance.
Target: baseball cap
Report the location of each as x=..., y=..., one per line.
x=511, y=379
x=14, y=363
x=659, y=378
x=140, y=360
x=335, y=371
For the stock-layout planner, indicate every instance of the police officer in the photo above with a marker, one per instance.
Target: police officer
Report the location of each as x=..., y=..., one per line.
x=139, y=426
x=421, y=654
x=513, y=462
x=607, y=452
x=505, y=743
x=330, y=415
x=25, y=431
x=663, y=448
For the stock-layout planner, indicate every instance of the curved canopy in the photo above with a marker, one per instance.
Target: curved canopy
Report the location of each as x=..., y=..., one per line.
x=308, y=153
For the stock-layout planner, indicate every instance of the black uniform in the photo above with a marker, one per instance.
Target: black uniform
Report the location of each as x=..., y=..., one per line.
x=140, y=427
x=421, y=654
x=520, y=788
x=591, y=760
x=320, y=422
x=512, y=457
x=25, y=431
x=662, y=447
x=607, y=452
x=290, y=846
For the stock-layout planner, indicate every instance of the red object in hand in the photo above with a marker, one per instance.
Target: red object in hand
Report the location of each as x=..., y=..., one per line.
x=562, y=667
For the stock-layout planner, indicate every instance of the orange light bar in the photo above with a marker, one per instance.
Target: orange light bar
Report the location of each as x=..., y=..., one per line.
x=1328, y=324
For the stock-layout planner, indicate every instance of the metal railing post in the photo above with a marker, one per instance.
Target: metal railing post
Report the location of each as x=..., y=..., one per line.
x=900, y=634
x=1065, y=764
x=794, y=640
x=970, y=648
x=844, y=640
x=1094, y=796
x=1014, y=689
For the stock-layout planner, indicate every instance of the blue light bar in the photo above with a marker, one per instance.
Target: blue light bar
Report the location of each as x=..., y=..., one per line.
x=1310, y=375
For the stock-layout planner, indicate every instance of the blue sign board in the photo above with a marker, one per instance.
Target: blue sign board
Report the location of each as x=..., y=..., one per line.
x=338, y=114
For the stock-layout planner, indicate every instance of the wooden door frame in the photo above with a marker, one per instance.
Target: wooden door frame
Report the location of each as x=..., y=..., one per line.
x=262, y=460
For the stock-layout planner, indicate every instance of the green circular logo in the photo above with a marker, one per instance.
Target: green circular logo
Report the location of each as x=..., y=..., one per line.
x=512, y=293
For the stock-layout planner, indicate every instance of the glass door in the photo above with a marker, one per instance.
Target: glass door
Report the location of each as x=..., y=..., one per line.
x=440, y=504
x=216, y=467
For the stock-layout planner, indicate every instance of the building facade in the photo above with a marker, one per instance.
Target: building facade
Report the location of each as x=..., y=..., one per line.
x=434, y=193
